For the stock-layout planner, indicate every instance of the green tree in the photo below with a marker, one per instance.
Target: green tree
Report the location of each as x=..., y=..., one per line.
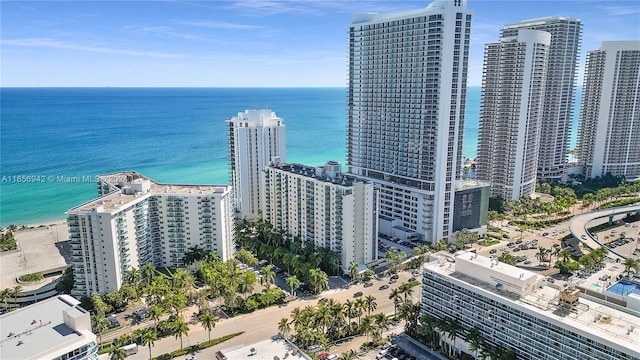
x=475, y=340
x=293, y=283
x=354, y=271
x=371, y=304
x=208, y=321
x=180, y=328
x=397, y=300
x=155, y=313
x=117, y=353
x=149, y=338
x=147, y=273
x=542, y=252
x=630, y=264
x=268, y=276
x=452, y=329
x=132, y=276
x=507, y=259
x=406, y=290
x=100, y=325
x=284, y=327
x=318, y=280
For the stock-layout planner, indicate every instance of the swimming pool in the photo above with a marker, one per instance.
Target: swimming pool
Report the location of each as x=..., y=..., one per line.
x=625, y=287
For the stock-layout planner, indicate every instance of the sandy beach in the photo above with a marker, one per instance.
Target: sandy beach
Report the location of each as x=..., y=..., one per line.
x=41, y=247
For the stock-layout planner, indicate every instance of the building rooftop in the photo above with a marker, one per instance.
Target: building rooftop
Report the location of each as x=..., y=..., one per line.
x=41, y=330
x=606, y=320
x=130, y=187
x=330, y=172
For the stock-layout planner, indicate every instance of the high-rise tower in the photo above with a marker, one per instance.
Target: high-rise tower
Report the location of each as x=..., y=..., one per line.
x=407, y=90
x=609, y=130
x=511, y=112
x=560, y=89
x=256, y=137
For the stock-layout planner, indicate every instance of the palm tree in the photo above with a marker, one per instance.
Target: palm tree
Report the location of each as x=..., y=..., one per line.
x=293, y=283
x=117, y=353
x=556, y=252
x=16, y=293
x=360, y=306
x=629, y=264
x=149, y=338
x=452, y=329
x=368, y=326
x=100, y=325
x=370, y=302
x=475, y=340
x=382, y=322
x=349, y=309
x=354, y=271
x=268, y=276
x=565, y=254
x=4, y=295
x=132, y=276
x=208, y=321
x=148, y=271
x=395, y=295
x=406, y=290
x=155, y=313
x=347, y=355
x=180, y=328
x=284, y=327
x=318, y=280
x=541, y=253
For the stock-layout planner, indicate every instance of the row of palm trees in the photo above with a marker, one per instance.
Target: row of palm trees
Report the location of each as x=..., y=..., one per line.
x=331, y=320
x=434, y=332
x=10, y=293
x=287, y=252
x=164, y=295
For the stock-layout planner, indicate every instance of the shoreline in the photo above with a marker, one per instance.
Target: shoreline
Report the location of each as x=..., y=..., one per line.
x=36, y=226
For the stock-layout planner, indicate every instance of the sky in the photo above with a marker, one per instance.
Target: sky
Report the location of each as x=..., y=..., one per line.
x=246, y=43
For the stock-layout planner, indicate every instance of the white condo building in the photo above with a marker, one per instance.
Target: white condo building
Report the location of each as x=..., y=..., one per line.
x=407, y=94
x=325, y=206
x=256, y=138
x=516, y=309
x=560, y=89
x=609, y=128
x=511, y=112
x=53, y=329
x=137, y=221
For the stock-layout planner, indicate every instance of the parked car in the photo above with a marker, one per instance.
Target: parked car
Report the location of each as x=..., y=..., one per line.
x=493, y=251
x=506, y=236
x=368, y=283
x=412, y=279
x=383, y=287
x=358, y=294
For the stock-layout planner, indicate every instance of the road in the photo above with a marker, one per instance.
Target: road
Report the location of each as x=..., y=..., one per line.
x=263, y=324
x=579, y=223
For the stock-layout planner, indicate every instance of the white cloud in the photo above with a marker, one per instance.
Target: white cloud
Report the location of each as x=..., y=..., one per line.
x=57, y=44
x=220, y=25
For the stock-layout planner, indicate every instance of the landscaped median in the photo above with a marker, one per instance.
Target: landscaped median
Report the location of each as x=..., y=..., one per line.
x=197, y=347
x=191, y=349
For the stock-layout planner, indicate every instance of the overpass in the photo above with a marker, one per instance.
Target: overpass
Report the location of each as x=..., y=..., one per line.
x=578, y=226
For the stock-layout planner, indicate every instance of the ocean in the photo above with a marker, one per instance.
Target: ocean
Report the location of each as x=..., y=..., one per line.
x=55, y=141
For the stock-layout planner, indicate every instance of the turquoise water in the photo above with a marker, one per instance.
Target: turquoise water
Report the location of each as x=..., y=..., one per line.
x=173, y=135
x=625, y=287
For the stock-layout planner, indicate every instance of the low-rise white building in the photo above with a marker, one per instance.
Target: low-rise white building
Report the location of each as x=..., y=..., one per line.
x=138, y=221
x=323, y=205
x=517, y=309
x=56, y=328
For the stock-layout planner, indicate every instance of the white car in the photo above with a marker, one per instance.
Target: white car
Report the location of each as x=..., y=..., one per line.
x=381, y=354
